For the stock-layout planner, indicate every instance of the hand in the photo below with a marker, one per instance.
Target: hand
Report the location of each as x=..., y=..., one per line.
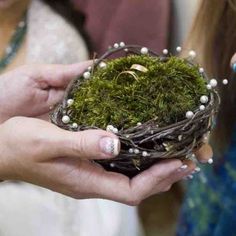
x=32, y=90
x=38, y=152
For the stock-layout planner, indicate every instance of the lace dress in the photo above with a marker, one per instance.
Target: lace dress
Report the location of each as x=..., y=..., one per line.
x=28, y=210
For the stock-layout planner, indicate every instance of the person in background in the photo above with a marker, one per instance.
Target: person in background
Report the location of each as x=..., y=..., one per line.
x=210, y=207
x=140, y=22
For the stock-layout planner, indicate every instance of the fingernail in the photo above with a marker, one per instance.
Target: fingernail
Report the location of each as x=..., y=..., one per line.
x=110, y=146
x=183, y=167
x=234, y=67
x=210, y=161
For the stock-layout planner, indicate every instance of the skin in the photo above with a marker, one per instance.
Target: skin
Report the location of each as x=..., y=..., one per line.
x=32, y=90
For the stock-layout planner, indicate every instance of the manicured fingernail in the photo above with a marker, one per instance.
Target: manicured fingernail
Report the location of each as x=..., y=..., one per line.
x=110, y=146
x=197, y=169
x=234, y=67
x=210, y=161
x=183, y=167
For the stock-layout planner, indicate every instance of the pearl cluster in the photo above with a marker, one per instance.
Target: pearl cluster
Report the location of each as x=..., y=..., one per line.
x=111, y=128
x=117, y=45
x=137, y=151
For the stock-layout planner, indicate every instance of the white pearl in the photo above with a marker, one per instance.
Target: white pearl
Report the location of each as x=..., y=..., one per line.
x=179, y=49
x=126, y=49
x=136, y=151
x=115, y=130
x=65, y=119
x=213, y=83
x=192, y=54
x=116, y=45
x=225, y=81
x=74, y=126
x=131, y=150
x=204, y=99
x=189, y=114
x=144, y=50
x=122, y=44
x=209, y=87
x=210, y=161
x=89, y=68
x=109, y=128
x=87, y=75
x=144, y=154
x=70, y=102
x=202, y=108
x=112, y=165
x=165, y=51
x=139, y=123
x=102, y=65
x=201, y=70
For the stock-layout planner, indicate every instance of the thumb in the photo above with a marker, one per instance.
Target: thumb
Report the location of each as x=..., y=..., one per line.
x=59, y=76
x=90, y=144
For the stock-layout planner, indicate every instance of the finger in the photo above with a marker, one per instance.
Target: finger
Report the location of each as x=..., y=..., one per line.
x=119, y=188
x=55, y=96
x=146, y=182
x=205, y=154
x=184, y=171
x=44, y=117
x=90, y=144
x=60, y=75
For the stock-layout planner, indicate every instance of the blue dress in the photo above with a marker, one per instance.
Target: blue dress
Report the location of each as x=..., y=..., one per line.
x=209, y=208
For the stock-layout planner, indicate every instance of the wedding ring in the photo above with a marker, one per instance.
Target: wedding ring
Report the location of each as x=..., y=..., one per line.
x=129, y=72
x=139, y=68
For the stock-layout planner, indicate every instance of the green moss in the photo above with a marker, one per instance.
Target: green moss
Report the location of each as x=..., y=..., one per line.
x=165, y=93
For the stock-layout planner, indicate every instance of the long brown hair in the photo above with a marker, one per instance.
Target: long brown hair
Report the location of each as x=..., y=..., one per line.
x=213, y=36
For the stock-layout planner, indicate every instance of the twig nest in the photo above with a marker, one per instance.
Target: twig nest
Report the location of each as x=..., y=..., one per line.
x=150, y=100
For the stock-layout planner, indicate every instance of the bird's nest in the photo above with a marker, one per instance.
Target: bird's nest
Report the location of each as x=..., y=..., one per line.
x=160, y=106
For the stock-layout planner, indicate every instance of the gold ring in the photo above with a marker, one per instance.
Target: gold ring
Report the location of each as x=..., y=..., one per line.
x=139, y=68
x=132, y=73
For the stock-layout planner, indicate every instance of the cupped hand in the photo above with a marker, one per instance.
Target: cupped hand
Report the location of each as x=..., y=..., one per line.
x=38, y=152
x=33, y=90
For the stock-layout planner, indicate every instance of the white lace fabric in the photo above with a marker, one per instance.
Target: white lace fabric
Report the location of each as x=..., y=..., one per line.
x=50, y=39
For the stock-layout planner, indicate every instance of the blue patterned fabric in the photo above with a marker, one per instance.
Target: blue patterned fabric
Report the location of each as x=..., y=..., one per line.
x=209, y=208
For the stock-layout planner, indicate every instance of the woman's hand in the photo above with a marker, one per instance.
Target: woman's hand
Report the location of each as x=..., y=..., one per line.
x=32, y=90
x=38, y=152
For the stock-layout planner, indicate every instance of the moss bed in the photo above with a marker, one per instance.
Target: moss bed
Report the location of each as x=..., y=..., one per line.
x=165, y=93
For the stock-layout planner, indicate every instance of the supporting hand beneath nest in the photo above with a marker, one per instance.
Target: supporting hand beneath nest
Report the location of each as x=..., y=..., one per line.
x=38, y=152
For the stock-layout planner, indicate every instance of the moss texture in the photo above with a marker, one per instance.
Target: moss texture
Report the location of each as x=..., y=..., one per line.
x=165, y=92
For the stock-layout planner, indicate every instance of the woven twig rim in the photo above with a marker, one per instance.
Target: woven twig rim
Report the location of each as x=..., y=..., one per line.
x=177, y=140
